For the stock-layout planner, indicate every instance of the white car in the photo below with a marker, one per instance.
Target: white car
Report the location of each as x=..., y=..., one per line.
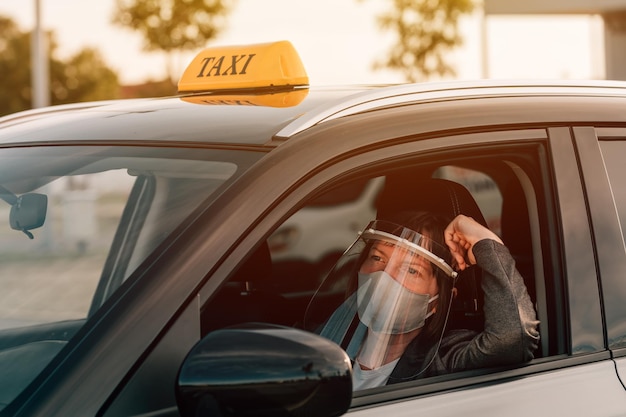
x=314, y=237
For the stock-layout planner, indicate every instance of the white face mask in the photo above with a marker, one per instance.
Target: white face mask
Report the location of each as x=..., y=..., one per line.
x=386, y=306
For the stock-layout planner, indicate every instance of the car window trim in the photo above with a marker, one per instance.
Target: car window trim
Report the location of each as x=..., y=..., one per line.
x=586, y=325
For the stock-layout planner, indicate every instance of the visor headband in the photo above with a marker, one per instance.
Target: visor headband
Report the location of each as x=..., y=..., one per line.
x=407, y=244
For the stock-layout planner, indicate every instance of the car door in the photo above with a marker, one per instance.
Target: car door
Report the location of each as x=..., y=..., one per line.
x=601, y=153
x=573, y=372
x=576, y=379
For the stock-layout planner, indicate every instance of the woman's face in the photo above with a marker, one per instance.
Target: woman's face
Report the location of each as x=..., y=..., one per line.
x=412, y=271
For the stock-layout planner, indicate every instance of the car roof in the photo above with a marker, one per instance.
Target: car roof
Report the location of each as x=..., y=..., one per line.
x=208, y=119
x=182, y=118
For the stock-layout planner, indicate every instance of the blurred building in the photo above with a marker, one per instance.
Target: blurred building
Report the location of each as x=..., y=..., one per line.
x=613, y=13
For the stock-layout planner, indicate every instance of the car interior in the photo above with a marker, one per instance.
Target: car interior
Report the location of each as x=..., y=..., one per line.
x=252, y=295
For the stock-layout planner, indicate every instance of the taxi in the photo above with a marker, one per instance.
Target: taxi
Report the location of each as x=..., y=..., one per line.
x=154, y=257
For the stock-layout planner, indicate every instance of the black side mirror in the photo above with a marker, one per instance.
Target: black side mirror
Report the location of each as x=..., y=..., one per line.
x=264, y=370
x=28, y=212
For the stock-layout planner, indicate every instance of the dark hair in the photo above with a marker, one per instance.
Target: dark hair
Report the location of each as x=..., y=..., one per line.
x=432, y=226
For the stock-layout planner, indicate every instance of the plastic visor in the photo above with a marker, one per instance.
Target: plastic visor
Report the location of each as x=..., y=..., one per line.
x=411, y=246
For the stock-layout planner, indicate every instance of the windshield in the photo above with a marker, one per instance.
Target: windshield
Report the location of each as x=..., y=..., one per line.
x=75, y=222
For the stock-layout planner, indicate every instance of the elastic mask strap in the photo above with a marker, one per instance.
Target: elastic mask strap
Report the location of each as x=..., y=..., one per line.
x=431, y=312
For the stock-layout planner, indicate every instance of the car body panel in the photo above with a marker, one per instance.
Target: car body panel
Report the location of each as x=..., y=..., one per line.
x=158, y=119
x=578, y=391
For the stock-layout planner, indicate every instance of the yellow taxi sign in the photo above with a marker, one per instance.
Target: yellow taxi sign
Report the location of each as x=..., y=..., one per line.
x=267, y=65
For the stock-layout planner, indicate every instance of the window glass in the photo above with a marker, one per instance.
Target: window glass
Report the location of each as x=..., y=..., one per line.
x=613, y=153
x=75, y=222
x=482, y=187
x=53, y=276
x=344, y=194
x=312, y=239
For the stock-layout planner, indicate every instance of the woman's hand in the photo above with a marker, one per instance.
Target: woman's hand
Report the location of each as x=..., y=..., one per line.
x=461, y=235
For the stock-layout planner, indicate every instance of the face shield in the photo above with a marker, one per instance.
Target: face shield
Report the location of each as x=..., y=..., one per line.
x=391, y=288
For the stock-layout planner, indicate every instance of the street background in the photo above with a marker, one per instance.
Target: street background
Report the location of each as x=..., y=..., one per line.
x=338, y=40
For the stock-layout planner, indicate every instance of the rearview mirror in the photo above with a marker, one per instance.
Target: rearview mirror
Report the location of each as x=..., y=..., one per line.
x=28, y=212
x=264, y=370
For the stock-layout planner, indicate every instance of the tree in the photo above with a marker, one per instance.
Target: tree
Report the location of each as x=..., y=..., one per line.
x=173, y=25
x=15, y=87
x=84, y=77
x=425, y=29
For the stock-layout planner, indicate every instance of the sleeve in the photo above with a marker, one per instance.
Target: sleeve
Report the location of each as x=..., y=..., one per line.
x=511, y=332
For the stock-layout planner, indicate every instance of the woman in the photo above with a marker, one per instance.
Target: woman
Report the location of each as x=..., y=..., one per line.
x=401, y=277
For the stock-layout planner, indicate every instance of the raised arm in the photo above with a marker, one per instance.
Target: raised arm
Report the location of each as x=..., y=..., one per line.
x=510, y=333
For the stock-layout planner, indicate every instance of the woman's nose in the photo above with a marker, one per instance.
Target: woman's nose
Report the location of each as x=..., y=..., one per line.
x=394, y=271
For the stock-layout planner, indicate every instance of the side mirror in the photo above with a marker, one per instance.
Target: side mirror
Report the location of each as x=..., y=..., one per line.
x=28, y=212
x=264, y=370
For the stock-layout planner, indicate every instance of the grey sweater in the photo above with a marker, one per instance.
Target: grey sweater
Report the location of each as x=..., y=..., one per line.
x=510, y=333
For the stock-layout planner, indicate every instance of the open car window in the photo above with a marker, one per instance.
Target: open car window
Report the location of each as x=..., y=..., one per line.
x=276, y=283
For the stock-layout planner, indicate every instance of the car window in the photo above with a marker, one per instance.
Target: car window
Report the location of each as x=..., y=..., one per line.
x=268, y=288
x=309, y=243
x=76, y=222
x=613, y=153
x=344, y=194
x=53, y=275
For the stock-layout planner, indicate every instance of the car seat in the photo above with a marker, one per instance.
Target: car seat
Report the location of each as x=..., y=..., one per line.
x=516, y=234
x=402, y=193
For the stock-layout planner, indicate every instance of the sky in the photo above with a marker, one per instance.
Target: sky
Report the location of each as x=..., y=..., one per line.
x=338, y=40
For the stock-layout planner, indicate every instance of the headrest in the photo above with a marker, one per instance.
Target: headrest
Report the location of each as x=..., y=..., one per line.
x=515, y=222
x=435, y=195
